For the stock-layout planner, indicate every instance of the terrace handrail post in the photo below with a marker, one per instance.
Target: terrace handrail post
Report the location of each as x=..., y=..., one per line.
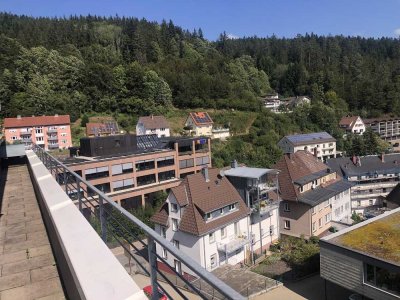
x=103, y=220
x=65, y=180
x=151, y=247
x=78, y=188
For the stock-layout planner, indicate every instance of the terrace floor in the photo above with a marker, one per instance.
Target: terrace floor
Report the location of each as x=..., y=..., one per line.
x=28, y=268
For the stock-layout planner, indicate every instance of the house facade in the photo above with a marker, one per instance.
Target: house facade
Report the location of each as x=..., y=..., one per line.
x=49, y=132
x=321, y=144
x=153, y=125
x=373, y=177
x=353, y=125
x=388, y=128
x=364, y=258
x=313, y=196
x=130, y=169
x=199, y=124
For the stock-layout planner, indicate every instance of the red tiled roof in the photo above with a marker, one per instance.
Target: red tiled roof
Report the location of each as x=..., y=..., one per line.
x=206, y=196
x=154, y=122
x=294, y=166
x=180, y=194
x=201, y=118
x=348, y=121
x=36, y=121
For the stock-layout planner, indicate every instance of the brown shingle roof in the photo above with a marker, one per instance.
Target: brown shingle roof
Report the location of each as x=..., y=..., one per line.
x=295, y=166
x=36, y=121
x=161, y=217
x=154, y=122
x=180, y=194
x=206, y=196
x=348, y=121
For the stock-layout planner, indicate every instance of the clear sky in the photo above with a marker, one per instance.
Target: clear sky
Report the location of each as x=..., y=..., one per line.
x=368, y=18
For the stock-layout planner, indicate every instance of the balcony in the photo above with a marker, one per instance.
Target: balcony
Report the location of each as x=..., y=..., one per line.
x=54, y=146
x=52, y=138
x=234, y=243
x=266, y=187
x=264, y=207
x=25, y=132
x=51, y=130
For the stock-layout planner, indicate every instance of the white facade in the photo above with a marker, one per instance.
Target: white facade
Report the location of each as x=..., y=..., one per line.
x=231, y=243
x=220, y=133
x=199, y=130
x=341, y=207
x=272, y=104
x=358, y=127
x=161, y=132
x=321, y=150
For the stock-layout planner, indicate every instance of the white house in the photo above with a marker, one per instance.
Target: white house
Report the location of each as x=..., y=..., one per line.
x=200, y=123
x=220, y=133
x=352, y=125
x=207, y=219
x=153, y=125
x=321, y=144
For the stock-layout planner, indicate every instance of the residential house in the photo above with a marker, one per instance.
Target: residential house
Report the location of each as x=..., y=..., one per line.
x=153, y=125
x=101, y=129
x=364, y=258
x=199, y=124
x=220, y=133
x=49, y=132
x=206, y=218
x=272, y=102
x=388, y=128
x=373, y=176
x=258, y=187
x=353, y=125
x=130, y=168
x=321, y=144
x=312, y=195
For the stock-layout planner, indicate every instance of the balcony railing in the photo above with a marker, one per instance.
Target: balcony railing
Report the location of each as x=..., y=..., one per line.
x=52, y=138
x=25, y=132
x=234, y=243
x=116, y=225
x=265, y=206
x=51, y=130
x=53, y=146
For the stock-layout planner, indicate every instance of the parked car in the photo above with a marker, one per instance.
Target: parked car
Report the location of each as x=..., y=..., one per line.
x=148, y=290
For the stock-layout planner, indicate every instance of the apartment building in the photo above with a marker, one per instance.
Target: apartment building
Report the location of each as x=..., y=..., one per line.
x=153, y=125
x=321, y=144
x=49, y=132
x=388, y=128
x=131, y=168
x=364, y=258
x=199, y=124
x=373, y=176
x=312, y=195
x=353, y=125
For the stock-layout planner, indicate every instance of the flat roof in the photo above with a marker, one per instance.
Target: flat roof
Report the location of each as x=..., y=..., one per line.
x=315, y=137
x=248, y=172
x=378, y=237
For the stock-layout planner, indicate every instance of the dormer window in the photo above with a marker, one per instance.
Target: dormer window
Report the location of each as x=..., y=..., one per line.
x=208, y=216
x=231, y=207
x=174, y=207
x=174, y=224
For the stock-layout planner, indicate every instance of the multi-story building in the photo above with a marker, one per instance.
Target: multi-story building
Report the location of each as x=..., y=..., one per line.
x=312, y=195
x=373, y=177
x=364, y=258
x=209, y=220
x=131, y=168
x=199, y=124
x=272, y=102
x=353, y=125
x=49, y=132
x=321, y=144
x=258, y=187
x=101, y=129
x=388, y=128
x=153, y=125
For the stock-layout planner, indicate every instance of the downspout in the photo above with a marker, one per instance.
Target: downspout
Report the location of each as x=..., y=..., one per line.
x=204, y=253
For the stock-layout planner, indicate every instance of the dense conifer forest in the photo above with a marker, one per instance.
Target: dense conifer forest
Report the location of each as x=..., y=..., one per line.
x=126, y=66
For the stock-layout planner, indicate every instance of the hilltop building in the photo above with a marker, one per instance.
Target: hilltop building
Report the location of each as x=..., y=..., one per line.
x=199, y=124
x=388, y=128
x=312, y=194
x=153, y=125
x=101, y=129
x=49, y=132
x=353, y=125
x=373, y=177
x=321, y=144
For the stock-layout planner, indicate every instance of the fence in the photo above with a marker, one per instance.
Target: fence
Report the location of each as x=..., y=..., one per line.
x=115, y=224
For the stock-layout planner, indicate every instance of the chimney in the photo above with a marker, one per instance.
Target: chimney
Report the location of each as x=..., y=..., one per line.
x=315, y=152
x=204, y=171
x=152, y=117
x=56, y=115
x=383, y=157
x=234, y=164
x=19, y=117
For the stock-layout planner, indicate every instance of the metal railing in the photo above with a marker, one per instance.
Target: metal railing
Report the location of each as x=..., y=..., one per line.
x=115, y=224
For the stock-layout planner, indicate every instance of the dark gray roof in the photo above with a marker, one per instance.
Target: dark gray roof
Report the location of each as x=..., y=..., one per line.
x=321, y=194
x=309, y=138
x=370, y=165
x=308, y=178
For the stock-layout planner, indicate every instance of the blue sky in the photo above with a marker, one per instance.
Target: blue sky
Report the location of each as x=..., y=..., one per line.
x=368, y=18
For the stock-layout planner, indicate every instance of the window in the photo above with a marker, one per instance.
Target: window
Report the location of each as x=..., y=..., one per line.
x=271, y=230
x=162, y=176
x=164, y=232
x=145, y=180
x=145, y=165
x=327, y=218
x=176, y=243
x=313, y=210
x=208, y=216
x=123, y=184
x=174, y=207
x=213, y=260
x=202, y=160
x=63, y=134
x=286, y=206
x=174, y=224
x=178, y=266
x=211, y=237
x=320, y=222
x=223, y=232
x=39, y=130
x=382, y=279
x=186, y=163
x=12, y=130
x=231, y=207
x=122, y=168
x=164, y=253
x=39, y=139
x=287, y=224
x=165, y=161
x=221, y=211
x=14, y=138
x=96, y=173
x=314, y=227
x=358, y=203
